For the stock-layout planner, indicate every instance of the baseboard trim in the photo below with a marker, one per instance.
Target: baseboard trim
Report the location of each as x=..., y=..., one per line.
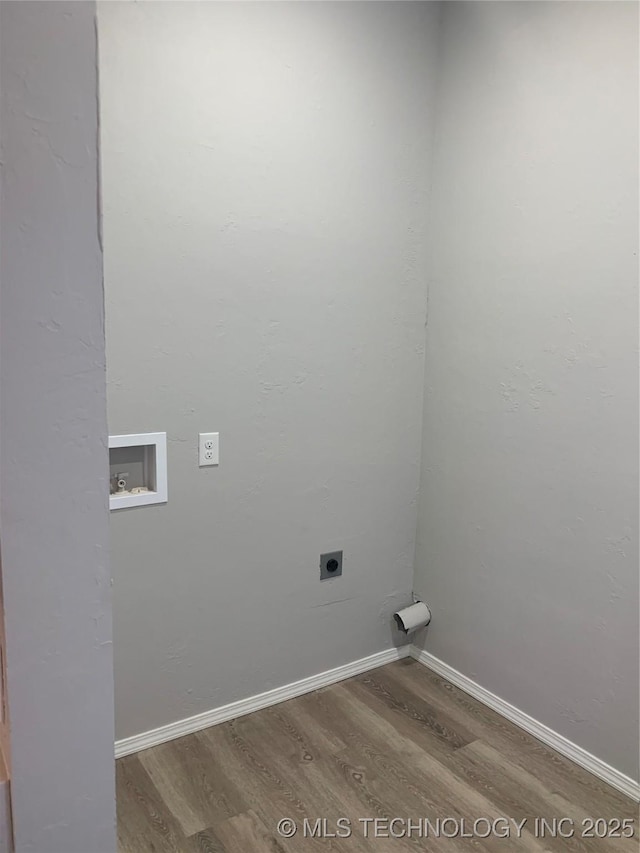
x=549, y=737
x=180, y=728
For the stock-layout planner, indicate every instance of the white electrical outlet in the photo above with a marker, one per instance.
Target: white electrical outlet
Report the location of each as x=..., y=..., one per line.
x=208, y=448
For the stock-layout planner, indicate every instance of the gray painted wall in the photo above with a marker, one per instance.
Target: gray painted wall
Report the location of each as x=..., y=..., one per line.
x=265, y=170
x=528, y=535
x=53, y=458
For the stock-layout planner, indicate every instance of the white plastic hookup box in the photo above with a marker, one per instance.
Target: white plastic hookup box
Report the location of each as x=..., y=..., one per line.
x=137, y=469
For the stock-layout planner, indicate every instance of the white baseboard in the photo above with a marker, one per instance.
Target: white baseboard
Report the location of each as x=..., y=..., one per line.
x=550, y=738
x=255, y=703
x=561, y=744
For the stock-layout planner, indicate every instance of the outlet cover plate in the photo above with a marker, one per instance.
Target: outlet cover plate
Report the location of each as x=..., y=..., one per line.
x=330, y=565
x=208, y=448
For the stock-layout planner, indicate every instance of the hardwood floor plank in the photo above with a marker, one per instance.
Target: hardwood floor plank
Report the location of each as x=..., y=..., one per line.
x=318, y=780
x=205, y=841
x=192, y=784
x=569, y=779
x=427, y=786
x=144, y=822
x=524, y=796
x=373, y=742
x=406, y=714
x=270, y=794
x=290, y=728
x=245, y=833
x=455, y=729
x=367, y=778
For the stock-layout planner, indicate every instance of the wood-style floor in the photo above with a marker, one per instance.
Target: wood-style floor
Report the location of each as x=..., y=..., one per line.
x=397, y=742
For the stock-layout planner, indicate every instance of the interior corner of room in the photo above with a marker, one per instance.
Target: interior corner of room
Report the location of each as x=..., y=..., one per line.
x=370, y=416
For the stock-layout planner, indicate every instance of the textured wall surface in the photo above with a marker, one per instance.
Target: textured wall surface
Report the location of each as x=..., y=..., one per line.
x=265, y=169
x=53, y=457
x=528, y=536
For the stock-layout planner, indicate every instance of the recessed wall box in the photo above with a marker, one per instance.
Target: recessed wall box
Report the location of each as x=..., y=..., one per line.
x=137, y=469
